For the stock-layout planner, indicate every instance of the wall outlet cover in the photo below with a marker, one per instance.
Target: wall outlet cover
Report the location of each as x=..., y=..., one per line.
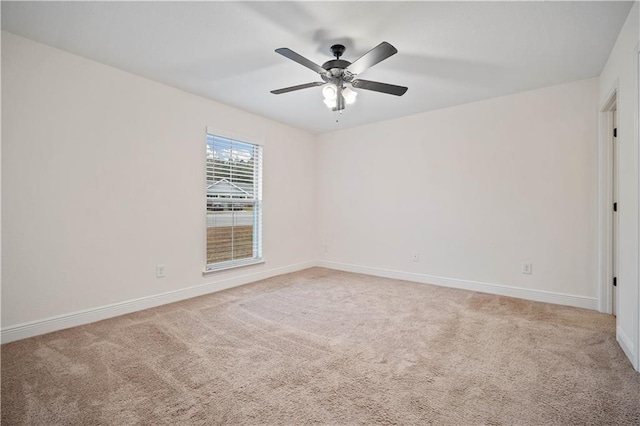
x=161, y=271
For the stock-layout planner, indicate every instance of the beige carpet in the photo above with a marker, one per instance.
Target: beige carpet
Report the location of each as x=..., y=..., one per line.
x=327, y=347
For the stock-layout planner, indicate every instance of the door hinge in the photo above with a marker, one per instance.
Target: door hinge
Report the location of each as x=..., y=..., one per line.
x=615, y=132
x=615, y=207
x=615, y=281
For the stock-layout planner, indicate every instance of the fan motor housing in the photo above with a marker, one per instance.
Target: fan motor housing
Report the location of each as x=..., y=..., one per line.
x=336, y=63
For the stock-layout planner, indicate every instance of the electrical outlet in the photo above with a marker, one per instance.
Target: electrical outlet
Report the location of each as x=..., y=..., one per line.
x=161, y=271
x=326, y=248
x=527, y=268
x=415, y=256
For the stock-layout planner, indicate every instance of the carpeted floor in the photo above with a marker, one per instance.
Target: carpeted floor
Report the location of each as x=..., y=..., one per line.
x=327, y=347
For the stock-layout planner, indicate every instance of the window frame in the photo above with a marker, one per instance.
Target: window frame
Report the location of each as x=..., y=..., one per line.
x=257, y=202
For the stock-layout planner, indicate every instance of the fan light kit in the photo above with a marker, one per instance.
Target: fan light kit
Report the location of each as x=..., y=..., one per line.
x=337, y=73
x=330, y=93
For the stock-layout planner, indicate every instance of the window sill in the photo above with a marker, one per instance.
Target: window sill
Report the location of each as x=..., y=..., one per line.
x=212, y=270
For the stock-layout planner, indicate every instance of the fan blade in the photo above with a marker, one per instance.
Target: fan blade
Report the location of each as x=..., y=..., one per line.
x=391, y=89
x=298, y=87
x=288, y=53
x=372, y=57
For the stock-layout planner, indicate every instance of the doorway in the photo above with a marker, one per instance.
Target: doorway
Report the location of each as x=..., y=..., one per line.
x=607, y=196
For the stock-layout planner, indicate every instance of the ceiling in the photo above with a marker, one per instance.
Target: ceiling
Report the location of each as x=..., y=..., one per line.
x=449, y=53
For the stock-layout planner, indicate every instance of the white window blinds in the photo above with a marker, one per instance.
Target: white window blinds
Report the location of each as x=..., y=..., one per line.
x=234, y=202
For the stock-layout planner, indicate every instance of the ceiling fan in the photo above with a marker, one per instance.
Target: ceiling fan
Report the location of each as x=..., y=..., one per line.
x=337, y=72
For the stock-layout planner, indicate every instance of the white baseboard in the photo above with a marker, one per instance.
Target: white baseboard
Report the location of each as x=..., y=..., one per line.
x=60, y=322
x=627, y=346
x=521, y=293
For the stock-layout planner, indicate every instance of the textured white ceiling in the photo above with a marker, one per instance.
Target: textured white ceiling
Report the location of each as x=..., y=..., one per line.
x=450, y=53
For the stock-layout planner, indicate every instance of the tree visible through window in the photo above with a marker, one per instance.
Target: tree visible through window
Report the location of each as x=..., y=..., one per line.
x=234, y=198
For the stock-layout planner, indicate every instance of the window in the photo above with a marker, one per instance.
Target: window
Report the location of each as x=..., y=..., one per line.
x=234, y=202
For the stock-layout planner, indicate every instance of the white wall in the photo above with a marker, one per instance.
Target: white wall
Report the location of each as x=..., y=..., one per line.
x=476, y=189
x=103, y=179
x=621, y=73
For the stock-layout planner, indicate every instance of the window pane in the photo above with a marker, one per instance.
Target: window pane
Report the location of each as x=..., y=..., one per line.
x=230, y=234
x=233, y=201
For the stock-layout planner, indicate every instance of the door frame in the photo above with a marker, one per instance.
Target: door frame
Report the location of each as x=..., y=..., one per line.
x=636, y=135
x=605, y=201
